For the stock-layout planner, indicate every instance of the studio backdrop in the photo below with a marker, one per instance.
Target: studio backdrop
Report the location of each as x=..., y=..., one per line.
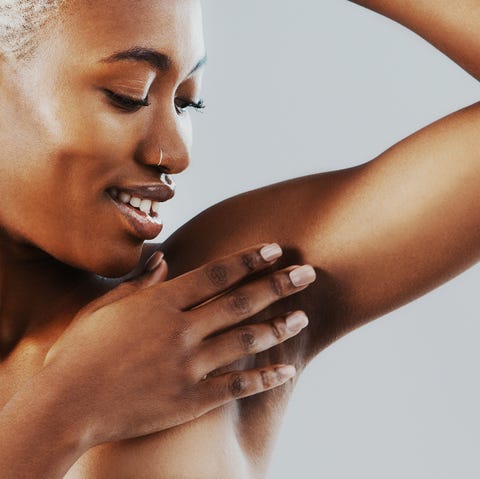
x=305, y=86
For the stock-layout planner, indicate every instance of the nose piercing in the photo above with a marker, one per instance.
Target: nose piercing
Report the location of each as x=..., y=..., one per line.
x=168, y=180
x=161, y=157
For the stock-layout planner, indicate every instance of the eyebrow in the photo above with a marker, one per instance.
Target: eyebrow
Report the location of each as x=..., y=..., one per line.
x=156, y=59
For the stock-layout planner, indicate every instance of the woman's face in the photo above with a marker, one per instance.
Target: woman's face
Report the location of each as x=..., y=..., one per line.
x=77, y=131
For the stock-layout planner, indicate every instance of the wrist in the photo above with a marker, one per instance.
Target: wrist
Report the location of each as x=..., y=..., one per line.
x=68, y=411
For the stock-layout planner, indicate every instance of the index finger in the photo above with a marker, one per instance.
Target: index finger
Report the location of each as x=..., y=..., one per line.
x=212, y=279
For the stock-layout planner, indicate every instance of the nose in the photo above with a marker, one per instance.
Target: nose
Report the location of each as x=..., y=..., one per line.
x=166, y=146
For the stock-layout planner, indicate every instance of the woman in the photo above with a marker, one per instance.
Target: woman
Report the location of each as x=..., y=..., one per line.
x=68, y=401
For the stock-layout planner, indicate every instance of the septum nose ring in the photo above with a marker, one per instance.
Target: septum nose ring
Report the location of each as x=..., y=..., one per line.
x=167, y=180
x=164, y=177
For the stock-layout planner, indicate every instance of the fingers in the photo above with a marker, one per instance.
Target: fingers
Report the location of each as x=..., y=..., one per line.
x=252, y=298
x=206, y=282
x=220, y=390
x=235, y=344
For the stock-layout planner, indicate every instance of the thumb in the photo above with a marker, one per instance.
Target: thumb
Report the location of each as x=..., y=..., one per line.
x=155, y=271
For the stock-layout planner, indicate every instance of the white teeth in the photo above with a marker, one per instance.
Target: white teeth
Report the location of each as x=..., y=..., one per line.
x=148, y=207
x=135, y=202
x=156, y=207
x=124, y=197
x=145, y=206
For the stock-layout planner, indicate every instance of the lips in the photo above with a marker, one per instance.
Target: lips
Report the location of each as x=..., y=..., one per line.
x=139, y=206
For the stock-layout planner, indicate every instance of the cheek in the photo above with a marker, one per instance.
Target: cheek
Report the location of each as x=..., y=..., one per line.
x=51, y=153
x=75, y=120
x=58, y=154
x=89, y=129
x=54, y=166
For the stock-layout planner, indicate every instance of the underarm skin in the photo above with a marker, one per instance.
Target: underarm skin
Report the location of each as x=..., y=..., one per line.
x=379, y=234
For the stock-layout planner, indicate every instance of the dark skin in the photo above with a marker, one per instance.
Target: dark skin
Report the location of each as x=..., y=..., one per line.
x=78, y=141
x=353, y=229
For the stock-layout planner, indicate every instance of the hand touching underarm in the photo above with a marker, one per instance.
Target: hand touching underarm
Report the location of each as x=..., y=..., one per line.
x=379, y=234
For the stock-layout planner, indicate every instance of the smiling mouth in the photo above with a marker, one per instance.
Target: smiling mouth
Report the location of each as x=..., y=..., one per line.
x=143, y=206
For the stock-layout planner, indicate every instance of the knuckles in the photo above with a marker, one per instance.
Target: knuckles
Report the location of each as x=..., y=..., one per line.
x=269, y=379
x=247, y=339
x=279, y=329
x=191, y=372
x=280, y=284
x=252, y=261
x=220, y=275
x=183, y=336
x=237, y=385
x=239, y=303
x=217, y=275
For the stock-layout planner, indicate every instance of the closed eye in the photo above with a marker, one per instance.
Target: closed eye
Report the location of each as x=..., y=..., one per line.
x=126, y=103
x=182, y=105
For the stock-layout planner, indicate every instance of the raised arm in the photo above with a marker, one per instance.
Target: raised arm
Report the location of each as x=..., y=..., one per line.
x=382, y=233
x=450, y=25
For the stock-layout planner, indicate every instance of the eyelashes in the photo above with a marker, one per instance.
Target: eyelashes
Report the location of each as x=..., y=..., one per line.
x=126, y=103
x=182, y=105
x=131, y=105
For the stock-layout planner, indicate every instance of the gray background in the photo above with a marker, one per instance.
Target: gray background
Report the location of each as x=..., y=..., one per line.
x=298, y=87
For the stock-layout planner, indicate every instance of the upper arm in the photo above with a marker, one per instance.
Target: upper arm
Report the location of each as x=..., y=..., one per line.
x=379, y=234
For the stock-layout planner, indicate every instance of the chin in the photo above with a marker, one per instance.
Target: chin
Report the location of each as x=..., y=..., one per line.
x=114, y=271
x=118, y=267
x=110, y=264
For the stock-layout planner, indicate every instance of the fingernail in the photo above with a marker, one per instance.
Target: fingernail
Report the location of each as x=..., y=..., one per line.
x=154, y=261
x=271, y=252
x=286, y=372
x=302, y=276
x=297, y=321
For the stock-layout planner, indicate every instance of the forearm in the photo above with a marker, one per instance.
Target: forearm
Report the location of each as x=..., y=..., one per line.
x=450, y=25
x=40, y=432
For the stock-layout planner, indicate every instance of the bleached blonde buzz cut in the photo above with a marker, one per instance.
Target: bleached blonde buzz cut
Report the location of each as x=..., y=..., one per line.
x=21, y=21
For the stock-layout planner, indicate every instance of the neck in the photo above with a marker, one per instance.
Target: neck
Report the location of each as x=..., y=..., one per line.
x=37, y=292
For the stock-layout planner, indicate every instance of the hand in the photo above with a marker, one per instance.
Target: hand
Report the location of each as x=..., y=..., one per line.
x=134, y=359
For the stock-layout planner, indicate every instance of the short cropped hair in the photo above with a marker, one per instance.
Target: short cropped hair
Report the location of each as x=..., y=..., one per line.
x=20, y=23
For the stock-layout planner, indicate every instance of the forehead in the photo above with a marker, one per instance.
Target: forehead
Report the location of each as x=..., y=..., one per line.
x=97, y=28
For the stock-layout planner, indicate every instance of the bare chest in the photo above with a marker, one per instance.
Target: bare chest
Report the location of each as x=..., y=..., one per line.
x=207, y=448
x=233, y=441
